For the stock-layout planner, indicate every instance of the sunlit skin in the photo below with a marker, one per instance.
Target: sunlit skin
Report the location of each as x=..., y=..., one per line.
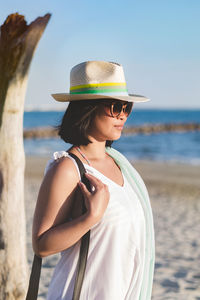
x=105, y=127
x=57, y=225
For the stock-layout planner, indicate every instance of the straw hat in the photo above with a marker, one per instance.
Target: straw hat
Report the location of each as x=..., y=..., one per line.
x=96, y=80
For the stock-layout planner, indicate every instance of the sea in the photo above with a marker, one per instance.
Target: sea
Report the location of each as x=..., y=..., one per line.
x=179, y=147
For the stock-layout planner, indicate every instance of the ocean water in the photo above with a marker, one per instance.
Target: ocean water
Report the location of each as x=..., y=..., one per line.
x=172, y=147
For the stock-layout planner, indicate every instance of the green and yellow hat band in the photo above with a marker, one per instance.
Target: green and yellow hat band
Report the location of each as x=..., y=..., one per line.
x=111, y=88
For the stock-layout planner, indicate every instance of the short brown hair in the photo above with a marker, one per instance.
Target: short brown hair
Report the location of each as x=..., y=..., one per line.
x=76, y=122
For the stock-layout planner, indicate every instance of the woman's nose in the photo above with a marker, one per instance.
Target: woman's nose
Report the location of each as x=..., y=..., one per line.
x=122, y=116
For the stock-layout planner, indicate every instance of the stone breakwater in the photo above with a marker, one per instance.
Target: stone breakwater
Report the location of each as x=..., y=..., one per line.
x=158, y=128
x=40, y=132
x=48, y=132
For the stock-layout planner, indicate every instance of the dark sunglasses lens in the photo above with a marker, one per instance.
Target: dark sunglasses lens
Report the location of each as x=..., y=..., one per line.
x=128, y=108
x=116, y=108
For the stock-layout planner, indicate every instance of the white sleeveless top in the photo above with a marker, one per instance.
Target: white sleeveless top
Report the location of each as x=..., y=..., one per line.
x=116, y=253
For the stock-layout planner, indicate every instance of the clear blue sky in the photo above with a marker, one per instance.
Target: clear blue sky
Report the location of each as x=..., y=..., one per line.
x=156, y=41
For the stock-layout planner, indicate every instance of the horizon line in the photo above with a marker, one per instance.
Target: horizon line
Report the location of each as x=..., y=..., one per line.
x=135, y=108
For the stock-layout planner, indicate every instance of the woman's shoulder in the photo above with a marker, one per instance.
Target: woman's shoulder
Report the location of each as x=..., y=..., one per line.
x=62, y=164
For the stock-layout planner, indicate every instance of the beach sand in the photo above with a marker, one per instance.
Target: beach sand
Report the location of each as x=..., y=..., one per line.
x=174, y=191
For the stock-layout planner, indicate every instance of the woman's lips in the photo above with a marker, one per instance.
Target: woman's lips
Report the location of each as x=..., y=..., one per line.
x=119, y=127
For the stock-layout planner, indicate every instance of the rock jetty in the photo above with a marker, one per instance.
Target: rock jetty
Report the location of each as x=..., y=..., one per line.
x=159, y=128
x=48, y=132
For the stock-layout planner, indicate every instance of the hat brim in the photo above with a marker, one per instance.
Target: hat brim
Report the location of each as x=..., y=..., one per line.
x=66, y=97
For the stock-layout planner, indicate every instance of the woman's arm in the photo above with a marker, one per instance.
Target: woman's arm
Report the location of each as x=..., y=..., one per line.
x=52, y=232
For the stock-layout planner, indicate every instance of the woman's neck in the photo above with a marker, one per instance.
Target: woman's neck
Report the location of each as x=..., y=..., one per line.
x=94, y=151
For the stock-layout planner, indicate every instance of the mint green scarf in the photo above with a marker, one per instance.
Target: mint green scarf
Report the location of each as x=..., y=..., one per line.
x=139, y=187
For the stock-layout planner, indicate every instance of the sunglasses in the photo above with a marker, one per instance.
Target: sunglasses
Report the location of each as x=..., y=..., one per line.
x=116, y=108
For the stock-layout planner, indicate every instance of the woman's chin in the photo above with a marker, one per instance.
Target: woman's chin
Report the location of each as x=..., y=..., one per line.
x=115, y=137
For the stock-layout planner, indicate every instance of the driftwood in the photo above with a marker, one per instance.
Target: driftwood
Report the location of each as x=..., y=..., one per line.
x=48, y=132
x=18, y=42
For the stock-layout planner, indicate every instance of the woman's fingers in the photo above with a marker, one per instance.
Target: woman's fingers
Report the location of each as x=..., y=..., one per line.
x=97, y=201
x=93, y=180
x=84, y=189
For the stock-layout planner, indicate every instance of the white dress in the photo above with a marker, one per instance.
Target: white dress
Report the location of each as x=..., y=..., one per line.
x=116, y=253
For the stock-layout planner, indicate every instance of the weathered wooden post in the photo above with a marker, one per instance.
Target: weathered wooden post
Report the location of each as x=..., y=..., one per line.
x=18, y=42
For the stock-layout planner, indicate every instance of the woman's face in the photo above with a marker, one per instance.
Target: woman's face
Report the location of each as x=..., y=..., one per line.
x=105, y=126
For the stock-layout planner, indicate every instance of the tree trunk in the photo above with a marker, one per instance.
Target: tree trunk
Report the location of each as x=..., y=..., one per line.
x=18, y=42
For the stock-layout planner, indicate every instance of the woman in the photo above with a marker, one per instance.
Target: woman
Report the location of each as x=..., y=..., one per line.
x=120, y=260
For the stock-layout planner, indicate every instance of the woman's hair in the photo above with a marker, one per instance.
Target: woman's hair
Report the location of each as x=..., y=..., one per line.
x=76, y=122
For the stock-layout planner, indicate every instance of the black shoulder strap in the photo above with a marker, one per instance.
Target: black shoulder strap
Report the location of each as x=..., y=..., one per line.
x=82, y=172
x=34, y=278
x=85, y=239
x=37, y=261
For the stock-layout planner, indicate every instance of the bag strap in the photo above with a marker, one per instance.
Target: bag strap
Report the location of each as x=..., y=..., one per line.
x=85, y=239
x=34, y=278
x=33, y=286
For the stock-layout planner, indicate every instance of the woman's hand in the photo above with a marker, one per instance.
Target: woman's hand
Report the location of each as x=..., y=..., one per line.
x=96, y=201
x=52, y=230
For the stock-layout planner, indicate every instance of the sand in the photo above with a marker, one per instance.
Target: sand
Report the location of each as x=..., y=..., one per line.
x=175, y=198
